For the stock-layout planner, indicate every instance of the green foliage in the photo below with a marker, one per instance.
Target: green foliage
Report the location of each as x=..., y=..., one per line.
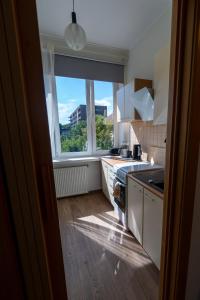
x=76, y=138
x=104, y=133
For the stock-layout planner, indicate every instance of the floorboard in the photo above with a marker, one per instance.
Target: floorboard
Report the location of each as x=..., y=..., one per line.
x=102, y=260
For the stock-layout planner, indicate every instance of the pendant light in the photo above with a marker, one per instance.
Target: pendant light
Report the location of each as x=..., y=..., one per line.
x=74, y=35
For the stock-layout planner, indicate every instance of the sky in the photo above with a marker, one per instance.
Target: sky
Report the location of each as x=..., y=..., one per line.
x=71, y=92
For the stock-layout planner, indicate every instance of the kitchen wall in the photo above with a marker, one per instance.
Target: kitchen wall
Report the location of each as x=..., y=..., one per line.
x=141, y=65
x=141, y=57
x=152, y=139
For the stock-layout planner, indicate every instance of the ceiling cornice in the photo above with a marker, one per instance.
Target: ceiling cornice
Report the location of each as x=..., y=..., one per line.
x=91, y=51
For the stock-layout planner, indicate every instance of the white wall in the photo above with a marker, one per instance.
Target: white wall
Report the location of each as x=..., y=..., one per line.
x=94, y=176
x=141, y=57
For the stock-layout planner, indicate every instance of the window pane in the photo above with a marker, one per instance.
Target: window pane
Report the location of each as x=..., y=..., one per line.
x=72, y=111
x=103, y=92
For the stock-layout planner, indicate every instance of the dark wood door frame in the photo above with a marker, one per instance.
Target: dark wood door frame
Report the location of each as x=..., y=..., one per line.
x=26, y=153
x=12, y=281
x=183, y=137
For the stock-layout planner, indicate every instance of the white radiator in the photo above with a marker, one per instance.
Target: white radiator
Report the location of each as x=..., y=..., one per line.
x=71, y=181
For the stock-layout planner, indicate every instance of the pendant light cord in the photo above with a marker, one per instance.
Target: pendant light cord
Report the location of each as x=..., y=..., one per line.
x=73, y=15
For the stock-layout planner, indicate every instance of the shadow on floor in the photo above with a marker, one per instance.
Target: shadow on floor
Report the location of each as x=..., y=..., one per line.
x=102, y=260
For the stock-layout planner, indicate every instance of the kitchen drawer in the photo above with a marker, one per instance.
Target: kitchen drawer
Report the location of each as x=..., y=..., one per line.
x=111, y=172
x=111, y=175
x=110, y=184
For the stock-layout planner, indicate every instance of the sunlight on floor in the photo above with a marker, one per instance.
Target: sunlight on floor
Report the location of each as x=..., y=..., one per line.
x=97, y=221
x=111, y=238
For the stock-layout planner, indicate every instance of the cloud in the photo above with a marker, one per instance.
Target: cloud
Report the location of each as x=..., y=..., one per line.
x=65, y=109
x=106, y=101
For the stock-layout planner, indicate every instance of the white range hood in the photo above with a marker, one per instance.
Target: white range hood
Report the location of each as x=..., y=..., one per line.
x=144, y=104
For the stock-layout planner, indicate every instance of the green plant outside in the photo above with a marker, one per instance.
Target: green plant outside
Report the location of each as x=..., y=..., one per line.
x=75, y=140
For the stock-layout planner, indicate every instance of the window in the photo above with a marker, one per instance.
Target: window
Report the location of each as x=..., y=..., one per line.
x=72, y=114
x=103, y=95
x=86, y=116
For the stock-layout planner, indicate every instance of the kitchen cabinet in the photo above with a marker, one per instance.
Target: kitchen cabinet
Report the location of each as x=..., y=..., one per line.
x=104, y=172
x=111, y=177
x=120, y=104
x=135, y=209
x=127, y=100
x=107, y=181
x=145, y=212
x=161, y=85
x=125, y=103
x=152, y=226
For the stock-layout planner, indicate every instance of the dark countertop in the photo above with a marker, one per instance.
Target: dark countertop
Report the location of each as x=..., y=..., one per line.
x=148, y=179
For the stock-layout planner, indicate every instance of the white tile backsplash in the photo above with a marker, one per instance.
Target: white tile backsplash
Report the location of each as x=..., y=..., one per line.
x=151, y=137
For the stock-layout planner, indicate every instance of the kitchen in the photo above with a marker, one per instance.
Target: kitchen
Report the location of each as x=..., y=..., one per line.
x=102, y=259
x=130, y=173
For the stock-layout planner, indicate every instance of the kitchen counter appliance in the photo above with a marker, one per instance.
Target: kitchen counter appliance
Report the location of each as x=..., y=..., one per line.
x=153, y=178
x=124, y=151
x=137, y=152
x=115, y=151
x=120, y=172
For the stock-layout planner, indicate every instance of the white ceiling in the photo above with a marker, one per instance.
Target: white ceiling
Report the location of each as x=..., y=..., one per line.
x=115, y=23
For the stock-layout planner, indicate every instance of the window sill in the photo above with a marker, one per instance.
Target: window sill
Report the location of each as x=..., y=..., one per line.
x=75, y=161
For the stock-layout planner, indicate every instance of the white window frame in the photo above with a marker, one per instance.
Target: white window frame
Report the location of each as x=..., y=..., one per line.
x=91, y=126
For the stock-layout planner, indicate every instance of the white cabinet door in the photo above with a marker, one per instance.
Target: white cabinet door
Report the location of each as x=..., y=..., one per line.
x=152, y=226
x=120, y=104
x=125, y=103
x=129, y=103
x=135, y=209
x=105, y=178
x=161, y=85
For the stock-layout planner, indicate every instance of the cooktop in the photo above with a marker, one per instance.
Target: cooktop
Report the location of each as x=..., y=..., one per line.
x=153, y=178
x=130, y=167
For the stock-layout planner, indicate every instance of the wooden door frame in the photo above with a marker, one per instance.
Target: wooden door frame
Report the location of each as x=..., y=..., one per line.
x=26, y=152
x=183, y=136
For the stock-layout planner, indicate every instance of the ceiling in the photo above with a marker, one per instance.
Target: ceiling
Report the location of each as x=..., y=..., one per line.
x=114, y=23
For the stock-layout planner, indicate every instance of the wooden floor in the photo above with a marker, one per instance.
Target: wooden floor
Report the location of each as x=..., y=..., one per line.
x=102, y=260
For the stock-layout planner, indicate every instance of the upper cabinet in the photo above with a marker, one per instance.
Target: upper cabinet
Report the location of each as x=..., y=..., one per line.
x=125, y=103
x=130, y=100
x=161, y=85
x=120, y=104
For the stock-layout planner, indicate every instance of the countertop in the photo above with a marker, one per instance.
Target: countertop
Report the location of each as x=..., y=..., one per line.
x=114, y=161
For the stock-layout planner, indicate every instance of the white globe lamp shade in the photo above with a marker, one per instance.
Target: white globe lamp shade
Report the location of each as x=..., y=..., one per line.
x=74, y=35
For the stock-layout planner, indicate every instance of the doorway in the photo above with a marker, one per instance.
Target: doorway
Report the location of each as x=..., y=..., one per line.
x=171, y=287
